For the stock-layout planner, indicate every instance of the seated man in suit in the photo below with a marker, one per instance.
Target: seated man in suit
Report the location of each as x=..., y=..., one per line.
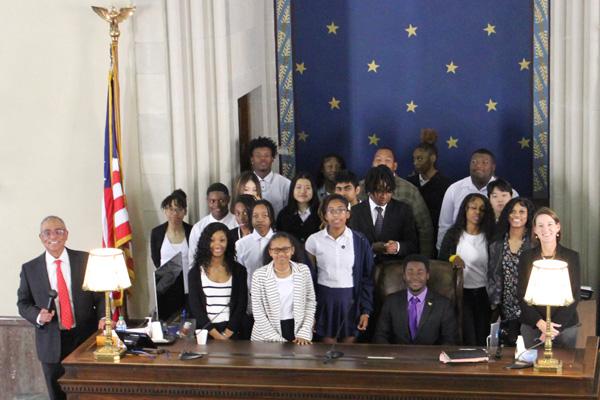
x=78, y=313
x=387, y=223
x=416, y=315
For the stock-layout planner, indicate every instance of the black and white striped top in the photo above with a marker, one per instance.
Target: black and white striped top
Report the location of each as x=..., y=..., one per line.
x=218, y=296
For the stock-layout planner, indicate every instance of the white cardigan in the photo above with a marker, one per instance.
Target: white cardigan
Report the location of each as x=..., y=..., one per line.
x=266, y=304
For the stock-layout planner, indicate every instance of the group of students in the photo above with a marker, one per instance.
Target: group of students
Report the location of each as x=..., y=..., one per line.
x=291, y=260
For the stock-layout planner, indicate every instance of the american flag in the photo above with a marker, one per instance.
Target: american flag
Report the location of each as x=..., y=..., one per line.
x=116, y=229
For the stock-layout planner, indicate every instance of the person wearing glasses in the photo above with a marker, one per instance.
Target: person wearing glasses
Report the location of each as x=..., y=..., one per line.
x=387, y=223
x=344, y=262
x=76, y=313
x=283, y=296
x=171, y=238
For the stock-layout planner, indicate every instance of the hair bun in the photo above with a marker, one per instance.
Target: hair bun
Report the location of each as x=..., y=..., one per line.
x=180, y=193
x=429, y=136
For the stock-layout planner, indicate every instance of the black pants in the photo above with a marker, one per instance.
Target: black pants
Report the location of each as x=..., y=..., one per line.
x=53, y=371
x=476, y=316
x=287, y=329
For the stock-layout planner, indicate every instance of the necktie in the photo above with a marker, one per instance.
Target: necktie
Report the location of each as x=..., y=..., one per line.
x=378, y=221
x=66, y=315
x=412, y=316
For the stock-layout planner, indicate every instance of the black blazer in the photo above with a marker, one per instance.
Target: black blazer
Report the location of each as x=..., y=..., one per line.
x=436, y=326
x=158, y=235
x=32, y=296
x=237, y=303
x=566, y=316
x=398, y=225
x=290, y=222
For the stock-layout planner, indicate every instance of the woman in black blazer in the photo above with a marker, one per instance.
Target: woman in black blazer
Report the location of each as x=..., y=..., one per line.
x=300, y=217
x=218, y=288
x=565, y=321
x=168, y=240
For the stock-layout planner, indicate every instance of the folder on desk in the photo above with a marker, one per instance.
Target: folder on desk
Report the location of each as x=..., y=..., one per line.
x=464, y=356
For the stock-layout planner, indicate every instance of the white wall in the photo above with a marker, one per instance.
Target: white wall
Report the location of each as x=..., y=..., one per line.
x=183, y=65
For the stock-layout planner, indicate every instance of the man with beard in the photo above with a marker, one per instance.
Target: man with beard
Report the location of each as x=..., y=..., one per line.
x=482, y=169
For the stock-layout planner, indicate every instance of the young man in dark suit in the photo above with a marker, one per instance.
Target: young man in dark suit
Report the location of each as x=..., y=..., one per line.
x=387, y=223
x=76, y=314
x=416, y=315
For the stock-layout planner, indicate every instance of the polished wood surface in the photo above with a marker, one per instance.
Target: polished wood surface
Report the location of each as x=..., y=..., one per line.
x=245, y=370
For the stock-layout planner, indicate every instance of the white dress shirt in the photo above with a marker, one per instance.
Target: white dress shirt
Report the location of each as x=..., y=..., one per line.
x=335, y=258
x=453, y=198
x=374, y=205
x=169, y=250
x=250, y=250
x=275, y=188
x=65, y=267
x=473, y=251
x=199, y=226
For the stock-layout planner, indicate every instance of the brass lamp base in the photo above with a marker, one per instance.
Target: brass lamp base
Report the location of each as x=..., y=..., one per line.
x=109, y=353
x=548, y=365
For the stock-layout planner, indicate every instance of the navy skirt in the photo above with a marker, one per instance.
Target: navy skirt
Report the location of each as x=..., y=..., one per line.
x=334, y=308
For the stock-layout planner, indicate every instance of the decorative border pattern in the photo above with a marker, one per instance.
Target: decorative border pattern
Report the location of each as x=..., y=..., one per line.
x=541, y=121
x=285, y=87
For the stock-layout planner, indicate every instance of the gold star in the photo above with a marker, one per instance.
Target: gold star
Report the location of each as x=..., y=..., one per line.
x=524, y=142
x=334, y=103
x=373, y=140
x=372, y=66
x=451, y=68
x=300, y=68
x=302, y=136
x=332, y=28
x=452, y=142
x=411, y=107
x=490, y=29
x=524, y=64
x=491, y=105
x=412, y=30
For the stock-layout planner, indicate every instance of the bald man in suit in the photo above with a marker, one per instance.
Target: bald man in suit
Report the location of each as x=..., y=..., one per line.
x=75, y=315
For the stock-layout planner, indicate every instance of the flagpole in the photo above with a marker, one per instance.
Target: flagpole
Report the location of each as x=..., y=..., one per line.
x=113, y=235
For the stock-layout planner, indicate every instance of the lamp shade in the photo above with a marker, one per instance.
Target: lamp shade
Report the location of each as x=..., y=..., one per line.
x=549, y=284
x=106, y=271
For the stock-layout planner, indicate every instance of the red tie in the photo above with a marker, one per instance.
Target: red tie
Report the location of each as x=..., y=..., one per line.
x=66, y=315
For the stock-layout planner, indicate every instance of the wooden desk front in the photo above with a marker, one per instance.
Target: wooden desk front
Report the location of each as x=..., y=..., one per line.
x=245, y=370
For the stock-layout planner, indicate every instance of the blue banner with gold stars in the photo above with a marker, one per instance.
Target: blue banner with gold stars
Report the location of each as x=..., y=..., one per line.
x=373, y=73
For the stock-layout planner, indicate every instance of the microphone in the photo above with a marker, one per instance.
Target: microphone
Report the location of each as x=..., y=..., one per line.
x=191, y=355
x=51, y=296
x=332, y=353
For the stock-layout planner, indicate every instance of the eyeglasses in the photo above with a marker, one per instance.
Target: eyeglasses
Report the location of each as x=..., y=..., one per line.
x=280, y=250
x=336, y=211
x=176, y=210
x=48, y=232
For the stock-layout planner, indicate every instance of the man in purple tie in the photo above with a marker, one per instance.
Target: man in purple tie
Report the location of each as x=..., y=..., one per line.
x=416, y=315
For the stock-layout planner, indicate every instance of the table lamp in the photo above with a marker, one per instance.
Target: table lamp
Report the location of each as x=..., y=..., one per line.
x=549, y=286
x=106, y=272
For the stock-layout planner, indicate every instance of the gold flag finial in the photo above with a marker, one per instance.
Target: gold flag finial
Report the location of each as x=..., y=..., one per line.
x=114, y=16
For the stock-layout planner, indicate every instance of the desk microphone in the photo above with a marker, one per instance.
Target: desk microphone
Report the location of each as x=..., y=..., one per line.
x=332, y=353
x=191, y=355
x=51, y=296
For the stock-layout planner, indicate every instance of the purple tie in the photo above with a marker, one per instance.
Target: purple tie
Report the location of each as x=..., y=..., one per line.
x=412, y=316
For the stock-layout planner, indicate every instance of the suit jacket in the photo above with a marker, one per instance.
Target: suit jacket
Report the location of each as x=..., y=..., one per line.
x=158, y=235
x=266, y=305
x=398, y=225
x=566, y=316
x=33, y=296
x=436, y=326
x=237, y=302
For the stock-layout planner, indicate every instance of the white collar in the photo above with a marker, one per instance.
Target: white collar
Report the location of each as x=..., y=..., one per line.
x=346, y=234
x=256, y=236
x=372, y=204
x=268, y=178
x=64, y=257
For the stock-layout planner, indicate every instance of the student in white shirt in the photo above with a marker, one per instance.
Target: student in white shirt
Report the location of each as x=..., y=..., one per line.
x=217, y=197
x=274, y=187
x=466, y=246
x=250, y=249
x=283, y=296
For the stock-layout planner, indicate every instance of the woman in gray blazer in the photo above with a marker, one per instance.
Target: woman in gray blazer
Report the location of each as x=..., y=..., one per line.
x=283, y=296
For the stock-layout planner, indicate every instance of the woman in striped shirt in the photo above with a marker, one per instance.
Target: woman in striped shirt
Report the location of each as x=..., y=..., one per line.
x=218, y=289
x=283, y=297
